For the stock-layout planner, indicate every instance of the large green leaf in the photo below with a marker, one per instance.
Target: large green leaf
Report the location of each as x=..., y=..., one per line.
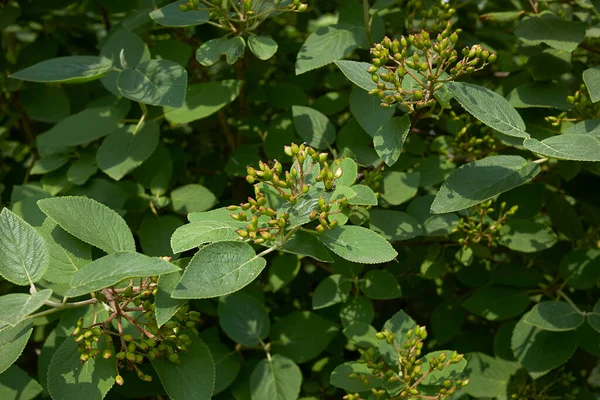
x=399, y=187
x=155, y=82
x=489, y=107
x=481, y=180
x=244, y=319
x=194, y=378
x=302, y=335
x=90, y=221
x=394, y=225
x=276, y=378
x=531, y=347
x=69, y=378
x=12, y=342
x=389, y=139
x=72, y=69
x=167, y=306
x=203, y=100
x=23, y=253
x=127, y=148
x=358, y=73
x=591, y=77
x=113, y=268
x=227, y=364
x=55, y=108
x=15, y=384
x=556, y=316
x=566, y=147
x=552, y=30
x=488, y=376
x=372, y=118
x=328, y=44
x=527, y=236
x=171, y=15
x=314, y=127
x=193, y=235
x=581, y=268
x=380, y=285
x=331, y=290
x=15, y=307
x=192, y=198
x=218, y=269
x=358, y=244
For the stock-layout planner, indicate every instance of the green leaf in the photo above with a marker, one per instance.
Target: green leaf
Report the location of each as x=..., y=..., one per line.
x=113, y=268
x=399, y=324
x=434, y=170
x=49, y=163
x=194, y=378
x=340, y=377
x=307, y=244
x=362, y=334
x=227, y=364
x=497, y=303
x=53, y=109
x=302, y=335
x=371, y=116
x=72, y=69
x=263, y=47
x=203, y=100
x=436, y=377
x=363, y=196
x=530, y=346
x=489, y=107
x=593, y=318
x=394, y=225
x=328, y=44
x=192, y=198
x=527, y=236
x=126, y=50
x=566, y=147
x=331, y=290
x=276, y=378
x=15, y=384
x=154, y=82
x=90, y=221
x=23, y=252
x=210, y=51
x=389, y=139
x=358, y=244
x=552, y=30
x=283, y=269
x=193, y=235
x=591, y=77
x=218, y=269
x=155, y=234
x=380, y=285
x=488, y=376
x=349, y=172
x=314, y=127
x=399, y=187
x=166, y=306
x=357, y=73
x=126, y=149
x=581, y=268
x=234, y=48
x=357, y=309
x=171, y=15
x=244, y=319
x=481, y=180
x=540, y=94
x=69, y=378
x=556, y=316
x=12, y=342
x=15, y=307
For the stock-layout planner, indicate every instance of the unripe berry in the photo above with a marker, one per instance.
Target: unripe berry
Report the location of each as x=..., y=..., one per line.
x=119, y=380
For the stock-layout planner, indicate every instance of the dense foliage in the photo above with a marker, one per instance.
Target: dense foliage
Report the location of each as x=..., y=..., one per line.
x=277, y=199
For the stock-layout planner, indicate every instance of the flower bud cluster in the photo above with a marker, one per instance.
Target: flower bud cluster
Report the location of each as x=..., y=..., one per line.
x=583, y=108
x=474, y=140
x=481, y=225
x=431, y=18
x=425, y=60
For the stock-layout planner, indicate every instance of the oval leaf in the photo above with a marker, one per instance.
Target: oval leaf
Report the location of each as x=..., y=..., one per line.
x=277, y=378
x=15, y=307
x=556, y=316
x=244, y=319
x=263, y=47
x=171, y=15
x=358, y=244
x=566, y=147
x=72, y=69
x=12, y=342
x=193, y=235
x=314, y=127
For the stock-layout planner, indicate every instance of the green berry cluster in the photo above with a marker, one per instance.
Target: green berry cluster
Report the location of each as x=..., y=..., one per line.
x=427, y=66
x=309, y=169
x=218, y=12
x=583, y=108
x=136, y=305
x=481, y=226
x=373, y=178
x=472, y=139
x=558, y=385
x=432, y=18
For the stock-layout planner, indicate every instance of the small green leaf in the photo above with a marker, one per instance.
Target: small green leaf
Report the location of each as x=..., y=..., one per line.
x=489, y=107
x=218, y=269
x=314, y=127
x=276, y=378
x=362, y=334
x=566, y=147
x=166, y=306
x=389, y=139
x=340, y=377
x=15, y=384
x=331, y=290
x=394, y=225
x=90, y=221
x=15, y=307
x=581, y=268
x=380, y=285
x=192, y=198
x=530, y=346
x=591, y=77
x=203, y=100
x=358, y=73
x=399, y=187
x=481, y=180
x=593, y=318
x=372, y=117
x=283, y=269
x=210, y=51
x=194, y=378
x=49, y=163
x=556, y=316
x=497, y=303
x=23, y=253
x=263, y=47
x=113, y=268
x=72, y=69
x=233, y=48
x=527, y=236
x=154, y=82
x=358, y=244
x=171, y=15
x=126, y=149
x=244, y=319
x=552, y=30
x=12, y=342
x=193, y=235
x=357, y=309
x=302, y=335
